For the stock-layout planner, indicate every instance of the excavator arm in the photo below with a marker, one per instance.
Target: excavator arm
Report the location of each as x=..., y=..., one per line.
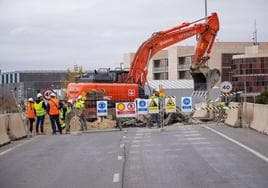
x=205, y=33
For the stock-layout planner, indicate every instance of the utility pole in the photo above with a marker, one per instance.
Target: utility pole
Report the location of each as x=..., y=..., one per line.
x=206, y=9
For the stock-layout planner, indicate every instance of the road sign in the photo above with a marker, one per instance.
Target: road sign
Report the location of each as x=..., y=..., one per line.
x=142, y=106
x=125, y=109
x=102, y=108
x=46, y=93
x=226, y=87
x=170, y=104
x=153, y=105
x=186, y=104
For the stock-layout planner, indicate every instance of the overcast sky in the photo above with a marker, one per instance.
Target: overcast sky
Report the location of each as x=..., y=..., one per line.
x=56, y=34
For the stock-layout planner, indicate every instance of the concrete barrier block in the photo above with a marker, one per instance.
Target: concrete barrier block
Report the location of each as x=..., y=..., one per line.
x=233, y=119
x=16, y=127
x=199, y=113
x=260, y=118
x=247, y=114
x=4, y=139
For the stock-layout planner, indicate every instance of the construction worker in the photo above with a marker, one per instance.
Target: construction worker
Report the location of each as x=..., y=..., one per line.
x=222, y=110
x=40, y=108
x=53, y=109
x=65, y=110
x=79, y=106
x=31, y=113
x=68, y=115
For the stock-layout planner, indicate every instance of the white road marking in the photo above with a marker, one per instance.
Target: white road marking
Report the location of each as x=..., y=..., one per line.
x=196, y=138
x=177, y=143
x=192, y=135
x=149, y=145
x=200, y=143
x=119, y=157
x=10, y=149
x=135, y=146
x=116, y=178
x=189, y=132
x=239, y=144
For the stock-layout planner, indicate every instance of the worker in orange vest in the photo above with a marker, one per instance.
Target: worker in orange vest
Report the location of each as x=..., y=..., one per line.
x=31, y=113
x=53, y=109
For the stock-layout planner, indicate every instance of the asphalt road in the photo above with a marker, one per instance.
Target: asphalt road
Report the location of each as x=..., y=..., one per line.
x=178, y=156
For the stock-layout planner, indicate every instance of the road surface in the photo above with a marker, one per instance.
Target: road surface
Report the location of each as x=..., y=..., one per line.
x=179, y=156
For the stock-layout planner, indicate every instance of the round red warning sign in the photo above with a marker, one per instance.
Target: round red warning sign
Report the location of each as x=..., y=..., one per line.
x=131, y=106
x=46, y=93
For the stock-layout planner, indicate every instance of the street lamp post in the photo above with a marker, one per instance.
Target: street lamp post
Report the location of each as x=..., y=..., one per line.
x=206, y=9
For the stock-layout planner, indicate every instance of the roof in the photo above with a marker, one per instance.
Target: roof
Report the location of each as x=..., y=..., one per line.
x=172, y=84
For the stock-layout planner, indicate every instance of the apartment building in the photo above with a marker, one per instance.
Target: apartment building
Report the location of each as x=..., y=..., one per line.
x=250, y=70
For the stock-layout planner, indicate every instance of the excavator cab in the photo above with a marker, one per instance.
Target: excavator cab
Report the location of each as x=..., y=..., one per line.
x=204, y=78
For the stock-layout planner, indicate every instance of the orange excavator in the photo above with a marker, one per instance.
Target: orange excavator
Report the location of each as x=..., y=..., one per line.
x=122, y=85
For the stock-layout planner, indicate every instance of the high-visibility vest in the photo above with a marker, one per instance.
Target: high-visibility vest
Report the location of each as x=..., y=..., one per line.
x=40, y=111
x=79, y=104
x=68, y=110
x=54, y=106
x=30, y=110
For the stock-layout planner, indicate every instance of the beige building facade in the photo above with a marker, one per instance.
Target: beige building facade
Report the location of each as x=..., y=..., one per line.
x=174, y=63
x=250, y=70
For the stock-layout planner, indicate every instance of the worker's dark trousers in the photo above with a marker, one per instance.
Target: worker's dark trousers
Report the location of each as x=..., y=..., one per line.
x=55, y=120
x=40, y=120
x=31, y=120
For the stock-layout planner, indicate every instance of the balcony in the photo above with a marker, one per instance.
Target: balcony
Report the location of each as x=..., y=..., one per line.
x=184, y=67
x=160, y=69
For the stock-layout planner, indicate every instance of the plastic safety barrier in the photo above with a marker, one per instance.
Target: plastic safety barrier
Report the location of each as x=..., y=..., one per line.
x=4, y=139
x=16, y=127
x=233, y=119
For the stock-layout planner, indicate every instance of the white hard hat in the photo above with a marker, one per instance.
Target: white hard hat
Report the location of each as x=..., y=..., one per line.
x=79, y=97
x=70, y=101
x=52, y=94
x=39, y=95
x=30, y=100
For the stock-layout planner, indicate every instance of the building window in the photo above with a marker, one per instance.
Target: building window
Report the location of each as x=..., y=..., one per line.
x=7, y=79
x=161, y=76
x=16, y=81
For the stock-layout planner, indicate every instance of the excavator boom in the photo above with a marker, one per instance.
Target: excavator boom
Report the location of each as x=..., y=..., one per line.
x=204, y=31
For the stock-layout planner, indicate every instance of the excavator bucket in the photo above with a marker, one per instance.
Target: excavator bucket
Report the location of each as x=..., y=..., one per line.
x=204, y=78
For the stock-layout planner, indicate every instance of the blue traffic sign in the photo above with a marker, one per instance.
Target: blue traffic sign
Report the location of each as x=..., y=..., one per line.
x=101, y=105
x=102, y=108
x=186, y=104
x=186, y=101
x=142, y=103
x=142, y=106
